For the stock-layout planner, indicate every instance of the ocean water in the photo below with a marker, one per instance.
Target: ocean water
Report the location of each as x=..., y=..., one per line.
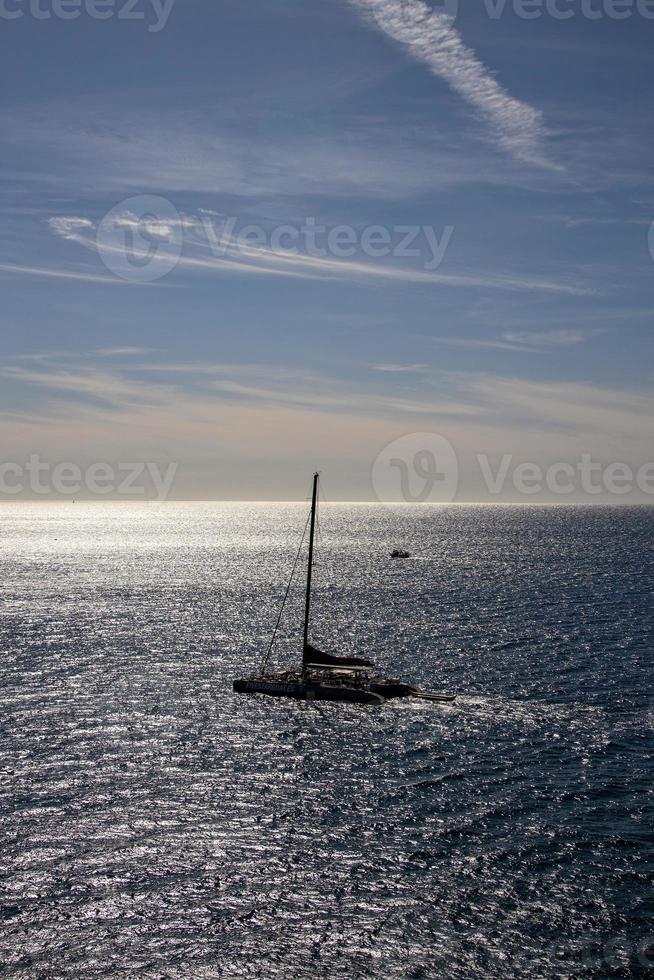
x=156, y=825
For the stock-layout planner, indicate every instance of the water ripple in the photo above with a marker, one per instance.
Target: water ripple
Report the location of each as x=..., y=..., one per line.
x=156, y=825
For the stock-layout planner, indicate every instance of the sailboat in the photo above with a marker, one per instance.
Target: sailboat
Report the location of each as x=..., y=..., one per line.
x=322, y=676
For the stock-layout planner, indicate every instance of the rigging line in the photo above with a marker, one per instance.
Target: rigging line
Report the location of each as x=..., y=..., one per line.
x=288, y=589
x=321, y=500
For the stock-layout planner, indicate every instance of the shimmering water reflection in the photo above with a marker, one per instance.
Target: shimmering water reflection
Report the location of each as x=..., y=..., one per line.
x=157, y=825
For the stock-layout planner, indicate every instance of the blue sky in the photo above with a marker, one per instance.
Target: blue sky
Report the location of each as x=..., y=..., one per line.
x=530, y=139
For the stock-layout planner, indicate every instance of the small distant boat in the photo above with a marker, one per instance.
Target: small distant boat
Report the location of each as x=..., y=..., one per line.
x=398, y=553
x=322, y=676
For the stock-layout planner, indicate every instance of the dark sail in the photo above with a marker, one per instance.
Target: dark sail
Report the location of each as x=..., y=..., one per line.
x=314, y=656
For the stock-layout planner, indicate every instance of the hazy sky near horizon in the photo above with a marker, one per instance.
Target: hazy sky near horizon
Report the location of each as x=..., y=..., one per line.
x=522, y=326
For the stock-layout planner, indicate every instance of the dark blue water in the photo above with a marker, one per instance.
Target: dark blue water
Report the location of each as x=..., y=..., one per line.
x=157, y=825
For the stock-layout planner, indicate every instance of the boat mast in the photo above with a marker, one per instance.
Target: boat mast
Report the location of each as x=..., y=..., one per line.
x=307, y=606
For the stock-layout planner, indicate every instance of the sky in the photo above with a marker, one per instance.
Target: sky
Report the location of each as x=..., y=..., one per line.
x=247, y=239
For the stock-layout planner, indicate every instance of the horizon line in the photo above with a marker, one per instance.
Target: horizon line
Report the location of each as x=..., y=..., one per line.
x=306, y=500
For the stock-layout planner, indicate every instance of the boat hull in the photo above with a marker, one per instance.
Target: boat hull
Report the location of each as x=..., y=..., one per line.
x=302, y=691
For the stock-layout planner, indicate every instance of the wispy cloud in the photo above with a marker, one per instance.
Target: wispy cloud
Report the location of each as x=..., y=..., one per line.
x=122, y=351
x=399, y=368
x=90, y=384
x=610, y=417
x=488, y=398
x=525, y=341
x=550, y=339
x=129, y=389
x=430, y=38
x=236, y=257
x=477, y=343
x=373, y=155
x=244, y=414
x=34, y=270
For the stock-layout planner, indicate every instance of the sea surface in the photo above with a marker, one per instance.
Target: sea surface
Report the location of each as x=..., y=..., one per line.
x=156, y=825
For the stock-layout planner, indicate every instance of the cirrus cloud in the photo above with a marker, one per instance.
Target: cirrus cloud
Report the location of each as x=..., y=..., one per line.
x=430, y=38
